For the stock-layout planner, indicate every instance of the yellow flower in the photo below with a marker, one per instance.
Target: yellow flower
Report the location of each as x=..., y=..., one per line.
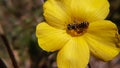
x=77, y=28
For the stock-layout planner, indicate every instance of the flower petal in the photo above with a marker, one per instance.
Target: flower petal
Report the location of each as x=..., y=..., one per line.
x=104, y=31
x=55, y=15
x=101, y=50
x=87, y=10
x=75, y=54
x=101, y=39
x=49, y=38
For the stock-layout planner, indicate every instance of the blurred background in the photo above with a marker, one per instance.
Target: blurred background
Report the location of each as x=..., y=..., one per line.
x=19, y=19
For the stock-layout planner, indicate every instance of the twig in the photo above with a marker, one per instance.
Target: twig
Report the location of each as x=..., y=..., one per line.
x=42, y=1
x=89, y=66
x=7, y=45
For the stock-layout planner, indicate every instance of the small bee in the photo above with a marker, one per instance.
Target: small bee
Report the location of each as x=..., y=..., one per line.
x=78, y=27
x=75, y=26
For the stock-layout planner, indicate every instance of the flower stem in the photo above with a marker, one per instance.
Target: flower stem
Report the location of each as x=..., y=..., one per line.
x=7, y=45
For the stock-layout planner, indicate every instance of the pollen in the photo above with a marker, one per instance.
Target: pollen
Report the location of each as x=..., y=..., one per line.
x=77, y=29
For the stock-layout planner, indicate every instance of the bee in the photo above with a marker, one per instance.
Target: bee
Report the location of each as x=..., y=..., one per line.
x=75, y=26
x=78, y=27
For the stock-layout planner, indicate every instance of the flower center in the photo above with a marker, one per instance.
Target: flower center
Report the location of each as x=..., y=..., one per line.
x=77, y=29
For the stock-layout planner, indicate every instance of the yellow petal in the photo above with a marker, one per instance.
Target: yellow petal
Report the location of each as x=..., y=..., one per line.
x=104, y=31
x=55, y=14
x=87, y=10
x=49, y=38
x=75, y=54
x=102, y=51
x=102, y=40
